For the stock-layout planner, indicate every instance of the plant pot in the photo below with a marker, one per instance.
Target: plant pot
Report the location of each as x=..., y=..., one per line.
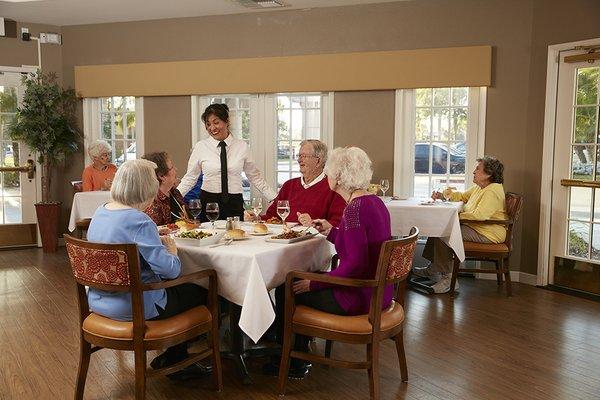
x=48, y=216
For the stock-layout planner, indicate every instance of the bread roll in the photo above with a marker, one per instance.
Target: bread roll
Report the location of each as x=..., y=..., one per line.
x=260, y=228
x=236, y=233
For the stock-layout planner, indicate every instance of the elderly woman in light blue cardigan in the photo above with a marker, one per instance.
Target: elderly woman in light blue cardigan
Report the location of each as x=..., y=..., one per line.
x=122, y=220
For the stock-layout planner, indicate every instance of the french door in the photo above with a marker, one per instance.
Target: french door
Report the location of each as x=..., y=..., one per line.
x=18, y=187
x=574, y=259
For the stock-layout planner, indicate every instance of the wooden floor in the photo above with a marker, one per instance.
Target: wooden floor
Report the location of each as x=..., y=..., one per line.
x=535, y=345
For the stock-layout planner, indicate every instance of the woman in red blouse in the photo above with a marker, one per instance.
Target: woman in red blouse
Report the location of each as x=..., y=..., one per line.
x=166, y=207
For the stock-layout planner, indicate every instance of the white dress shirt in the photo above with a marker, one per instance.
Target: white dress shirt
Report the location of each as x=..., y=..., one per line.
x=206, y=159
x=313, y=182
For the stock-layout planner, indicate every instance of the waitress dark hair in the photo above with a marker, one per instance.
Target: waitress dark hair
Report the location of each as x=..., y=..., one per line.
x=221, y=111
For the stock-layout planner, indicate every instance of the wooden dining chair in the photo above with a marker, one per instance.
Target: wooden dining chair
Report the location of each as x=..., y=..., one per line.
x=395, y=261
x=116, y=268
x=498, y=253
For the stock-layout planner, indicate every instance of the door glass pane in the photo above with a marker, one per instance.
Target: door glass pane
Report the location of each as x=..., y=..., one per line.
x=581, y=201
x=11, y=183
x=587, y=85
x=579, y=239
x=582, y=164
x=596, y=242
x=12, y=210
x=597, y=205
x=585, y=125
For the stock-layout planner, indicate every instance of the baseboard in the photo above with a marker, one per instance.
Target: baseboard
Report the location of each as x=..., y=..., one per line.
x=515, y=276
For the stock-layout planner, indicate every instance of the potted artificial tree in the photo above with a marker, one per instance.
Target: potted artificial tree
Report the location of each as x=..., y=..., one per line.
x=46, y=123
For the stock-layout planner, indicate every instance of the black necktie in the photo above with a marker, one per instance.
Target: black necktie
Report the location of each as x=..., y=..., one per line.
x=224, y=185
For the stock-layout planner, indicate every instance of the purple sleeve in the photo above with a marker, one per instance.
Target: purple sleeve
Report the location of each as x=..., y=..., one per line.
x=355, y=261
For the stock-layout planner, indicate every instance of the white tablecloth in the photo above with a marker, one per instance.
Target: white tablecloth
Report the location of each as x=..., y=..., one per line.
x=247, y=269
x=85, y=205
x=438, y=220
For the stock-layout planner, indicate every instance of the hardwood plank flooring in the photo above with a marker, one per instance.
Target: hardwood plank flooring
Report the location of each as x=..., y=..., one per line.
x=536, y=345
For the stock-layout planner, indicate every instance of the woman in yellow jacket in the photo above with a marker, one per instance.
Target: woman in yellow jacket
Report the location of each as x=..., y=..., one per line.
x=484, y=200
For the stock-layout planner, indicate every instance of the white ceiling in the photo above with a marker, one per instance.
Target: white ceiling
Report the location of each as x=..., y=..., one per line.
x=77, y=12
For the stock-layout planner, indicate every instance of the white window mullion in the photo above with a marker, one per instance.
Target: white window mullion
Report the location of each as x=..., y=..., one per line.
x=270, y=135
x=139, y=127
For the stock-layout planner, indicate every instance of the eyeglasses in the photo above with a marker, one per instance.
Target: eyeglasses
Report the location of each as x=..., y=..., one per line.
x=299, y=156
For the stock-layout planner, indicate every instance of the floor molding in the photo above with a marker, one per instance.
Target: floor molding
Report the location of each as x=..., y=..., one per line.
x=515, y=276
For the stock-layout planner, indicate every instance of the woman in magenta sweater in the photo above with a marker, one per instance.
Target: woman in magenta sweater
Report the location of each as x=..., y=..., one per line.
x=364, y=226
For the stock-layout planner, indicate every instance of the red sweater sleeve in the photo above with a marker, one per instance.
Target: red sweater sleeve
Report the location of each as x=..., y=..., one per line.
x=336, y=209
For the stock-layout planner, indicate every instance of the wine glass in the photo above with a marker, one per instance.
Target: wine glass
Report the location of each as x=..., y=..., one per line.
x=447, y=193
x=257, y=206
x=384, y=185
x=212, y=213
x=195, y=207
x=283, y=210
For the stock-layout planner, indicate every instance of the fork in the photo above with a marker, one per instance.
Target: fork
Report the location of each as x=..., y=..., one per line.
x=225, y=243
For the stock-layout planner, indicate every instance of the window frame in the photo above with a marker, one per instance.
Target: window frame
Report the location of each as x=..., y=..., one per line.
x=404, y=137
x=92, y=124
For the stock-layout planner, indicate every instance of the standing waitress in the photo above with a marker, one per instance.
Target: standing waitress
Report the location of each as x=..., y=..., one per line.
x=221, y=158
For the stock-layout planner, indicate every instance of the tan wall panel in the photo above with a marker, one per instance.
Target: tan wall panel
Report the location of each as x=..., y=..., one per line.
x=366, y=120
x=458, y=66
x=167, y=126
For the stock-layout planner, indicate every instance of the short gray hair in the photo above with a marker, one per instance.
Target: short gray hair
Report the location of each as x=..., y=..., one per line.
x=135, y=183
x=319, y=148
x=97, y=147
x=350, y=167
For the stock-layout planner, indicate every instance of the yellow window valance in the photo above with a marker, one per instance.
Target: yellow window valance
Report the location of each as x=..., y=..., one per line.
x=379, y=70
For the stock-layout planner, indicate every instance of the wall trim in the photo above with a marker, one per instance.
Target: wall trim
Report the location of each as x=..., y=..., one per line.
x=515, y=276
x=377, y=70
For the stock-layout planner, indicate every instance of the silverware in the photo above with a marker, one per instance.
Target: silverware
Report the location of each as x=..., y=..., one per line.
x=227, y=242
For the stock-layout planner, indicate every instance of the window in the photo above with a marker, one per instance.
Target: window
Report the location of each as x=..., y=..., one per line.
x=119, y=121
x=273, y=125
x=439, y=135
x=298, y=118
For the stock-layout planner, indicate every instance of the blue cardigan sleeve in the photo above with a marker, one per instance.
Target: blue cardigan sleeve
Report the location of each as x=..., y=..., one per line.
x=162, y=263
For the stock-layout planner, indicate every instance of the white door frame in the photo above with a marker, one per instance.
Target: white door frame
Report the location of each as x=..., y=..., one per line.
x=548, y=155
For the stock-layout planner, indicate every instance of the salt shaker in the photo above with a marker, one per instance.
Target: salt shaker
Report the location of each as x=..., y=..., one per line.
x=229, y=224
x=236, y=222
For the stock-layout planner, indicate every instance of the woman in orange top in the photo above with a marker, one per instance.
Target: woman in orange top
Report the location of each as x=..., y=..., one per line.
x=99, y=175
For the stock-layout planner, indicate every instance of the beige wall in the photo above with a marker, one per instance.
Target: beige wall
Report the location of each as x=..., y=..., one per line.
x=519, y=30
x=168, y=127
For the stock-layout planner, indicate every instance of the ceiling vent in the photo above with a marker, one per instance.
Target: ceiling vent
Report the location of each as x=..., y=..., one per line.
x=261, y=4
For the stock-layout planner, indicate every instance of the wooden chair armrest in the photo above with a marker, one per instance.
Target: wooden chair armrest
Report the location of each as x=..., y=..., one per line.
x=194, y=276
x=212, y=298
x=312, y=276
x=487, y=222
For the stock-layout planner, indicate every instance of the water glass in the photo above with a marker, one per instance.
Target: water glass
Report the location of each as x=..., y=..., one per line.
x=283, y=210
x=384, y=185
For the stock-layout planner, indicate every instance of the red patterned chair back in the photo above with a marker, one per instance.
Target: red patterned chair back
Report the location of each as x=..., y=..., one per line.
x=398, y=256
x=113, y=267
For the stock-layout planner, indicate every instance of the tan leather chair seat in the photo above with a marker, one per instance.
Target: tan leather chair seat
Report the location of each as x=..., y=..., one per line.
x=355, y=324
x=98, y=325
x=486, y=247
